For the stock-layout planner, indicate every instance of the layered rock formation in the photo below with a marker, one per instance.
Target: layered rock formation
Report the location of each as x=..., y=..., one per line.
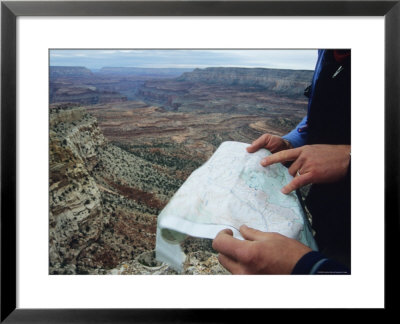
x=109, y=84
x=265, y=92
x=84, y=94
x=104, y=203
x=143, y=72
x=280, y=81
x=76, y=215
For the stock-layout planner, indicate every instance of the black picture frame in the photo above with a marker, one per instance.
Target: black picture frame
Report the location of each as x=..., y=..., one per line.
x=10, y=10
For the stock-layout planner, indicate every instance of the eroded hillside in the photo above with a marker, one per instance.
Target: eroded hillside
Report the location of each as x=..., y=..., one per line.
x=104, y=203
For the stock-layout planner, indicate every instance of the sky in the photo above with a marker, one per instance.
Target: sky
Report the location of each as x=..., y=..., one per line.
x=183, y=58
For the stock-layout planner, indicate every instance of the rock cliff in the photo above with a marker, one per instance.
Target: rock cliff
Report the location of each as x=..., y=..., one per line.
x=287, y=82
x=265, y=92
x=104, y=203
x=76, y=218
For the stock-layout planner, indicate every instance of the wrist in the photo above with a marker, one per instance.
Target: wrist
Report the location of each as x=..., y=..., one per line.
x=287, y=144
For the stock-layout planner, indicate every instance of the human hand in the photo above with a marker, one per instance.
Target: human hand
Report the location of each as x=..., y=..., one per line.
x=259, y=252
x=319, y=163
x=273, y=143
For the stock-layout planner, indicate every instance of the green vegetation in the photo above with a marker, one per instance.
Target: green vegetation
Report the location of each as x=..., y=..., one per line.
x=166, y=155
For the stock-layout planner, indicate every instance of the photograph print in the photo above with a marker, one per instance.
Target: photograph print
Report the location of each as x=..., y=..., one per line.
x=199, y=162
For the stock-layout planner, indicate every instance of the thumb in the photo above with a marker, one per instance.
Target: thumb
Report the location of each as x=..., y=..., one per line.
x=251, y=234
x=252, y=148
x=260, y=142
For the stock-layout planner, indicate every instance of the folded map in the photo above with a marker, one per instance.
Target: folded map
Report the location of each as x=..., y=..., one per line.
x=229, y=190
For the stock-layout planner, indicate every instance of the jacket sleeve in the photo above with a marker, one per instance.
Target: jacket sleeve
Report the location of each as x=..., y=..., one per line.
x=316, y=263
x=298, y=136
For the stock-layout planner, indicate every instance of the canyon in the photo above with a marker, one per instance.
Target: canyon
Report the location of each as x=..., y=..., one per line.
x=122, y=141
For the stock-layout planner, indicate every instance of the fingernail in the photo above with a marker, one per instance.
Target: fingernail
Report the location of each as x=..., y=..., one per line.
x=264, y=162
x=284, y=190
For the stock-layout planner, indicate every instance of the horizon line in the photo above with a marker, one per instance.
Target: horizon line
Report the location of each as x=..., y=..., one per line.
x=183, y=68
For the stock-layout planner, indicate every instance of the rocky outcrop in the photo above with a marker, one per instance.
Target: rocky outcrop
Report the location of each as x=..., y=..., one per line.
x=76, y=218
x=104, y=202
x=287, y=82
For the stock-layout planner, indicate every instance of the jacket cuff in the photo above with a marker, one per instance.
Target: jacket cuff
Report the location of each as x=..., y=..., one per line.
x=316, y=263
x=306, y=263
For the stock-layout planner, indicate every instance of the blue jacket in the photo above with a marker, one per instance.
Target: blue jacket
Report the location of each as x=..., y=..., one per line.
x=327, y=122
x=330, y=125
x=298, y=136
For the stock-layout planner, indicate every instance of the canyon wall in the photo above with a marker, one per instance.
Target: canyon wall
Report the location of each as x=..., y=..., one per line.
x=104, y=202
x=287, y=82
x=265, y=92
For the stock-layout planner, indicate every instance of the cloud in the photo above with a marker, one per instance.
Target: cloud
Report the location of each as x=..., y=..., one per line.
x=97, y=58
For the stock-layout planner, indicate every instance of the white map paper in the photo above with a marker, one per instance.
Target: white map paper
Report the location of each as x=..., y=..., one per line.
x=229, y=190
